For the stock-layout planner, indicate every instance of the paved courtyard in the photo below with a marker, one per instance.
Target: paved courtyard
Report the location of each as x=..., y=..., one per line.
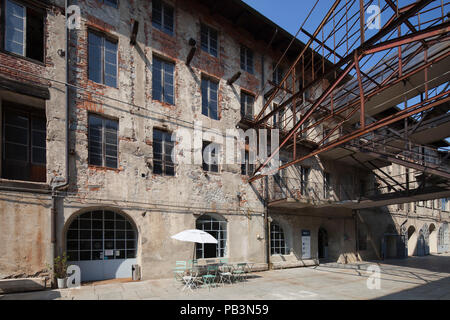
x=414, y=278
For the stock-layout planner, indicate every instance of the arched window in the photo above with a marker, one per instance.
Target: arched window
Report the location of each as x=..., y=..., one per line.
x=218, y=229
x=277, y=239
x=101, y=235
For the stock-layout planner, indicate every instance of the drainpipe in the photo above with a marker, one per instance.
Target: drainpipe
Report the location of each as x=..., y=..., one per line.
x=267, y=222
x=60, y=185
x=356, y=233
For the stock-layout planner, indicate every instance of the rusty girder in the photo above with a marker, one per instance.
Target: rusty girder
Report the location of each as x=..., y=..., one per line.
x=393, y=73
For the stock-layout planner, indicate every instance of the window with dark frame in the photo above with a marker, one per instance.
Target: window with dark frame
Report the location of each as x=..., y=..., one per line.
x=275, y=120
x=162, y=153
x=24, y=143
x=209, y=98
x=101, y=235
x=163, y=16
x=277, y=239
x=103, y=142
x=304, y=179
x=246, y=59
x=281, y=119
x=218, y=229
x=102, y=55
x=326, y=185
x=277, y=74
x=362, y=236
x=112, y=3
x=247, y=103
x=208, y=37
x=24, y=30
x=163, y=78
x=213, y=166
x=247, y=168
x=325, y=132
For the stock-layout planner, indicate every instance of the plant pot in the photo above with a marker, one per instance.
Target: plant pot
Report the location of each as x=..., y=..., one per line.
x=62, y=283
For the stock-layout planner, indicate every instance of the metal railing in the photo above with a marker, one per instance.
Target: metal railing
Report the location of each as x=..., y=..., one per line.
x=294, y=188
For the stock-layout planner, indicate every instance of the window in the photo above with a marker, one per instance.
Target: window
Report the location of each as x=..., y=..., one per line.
x=444, y=204
x=362, y=188
x=208, y=40
x=162, y=153
x=162, y=16
x=218, y=229
x=24, y=143
x=326, y=185
x=210, y=155
x=247, y=168
x=362, y=236
x=281, y=119
x=325, y=132
x=209, y=98
x=103, y=142
x=277, y=75
x=102, y=63
x=112, y=3
x=246, y=59
x=277, y=239
x=304, y=176
x=247, y=102
x=101, y=235
x=24, y=31
x=162, y=83
x=275, y=116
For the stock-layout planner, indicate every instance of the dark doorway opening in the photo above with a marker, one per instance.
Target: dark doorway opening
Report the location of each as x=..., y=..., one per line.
x=323, y=243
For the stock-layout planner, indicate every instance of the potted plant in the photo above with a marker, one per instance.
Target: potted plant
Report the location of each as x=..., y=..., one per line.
x=60, y=270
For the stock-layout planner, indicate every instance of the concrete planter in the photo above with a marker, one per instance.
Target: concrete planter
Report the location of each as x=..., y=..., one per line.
x=62, y=283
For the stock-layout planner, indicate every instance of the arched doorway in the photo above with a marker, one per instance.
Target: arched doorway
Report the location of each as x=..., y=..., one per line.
x=323, y=243
x=433, y=238
x=391, y=242
x=216, y=226
x=412, y=237
x=103, y=243
x=423, y=240
x=443, y=239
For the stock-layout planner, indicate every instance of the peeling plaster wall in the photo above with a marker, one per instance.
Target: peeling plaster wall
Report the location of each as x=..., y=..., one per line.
x=25, y=244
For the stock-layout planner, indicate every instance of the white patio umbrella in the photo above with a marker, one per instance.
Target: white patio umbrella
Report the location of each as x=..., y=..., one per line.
x=194, y=235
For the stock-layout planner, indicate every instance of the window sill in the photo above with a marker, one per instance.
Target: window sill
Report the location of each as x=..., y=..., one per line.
x=211, y=173
x=167, y=34
x=18, y=56
x=100, y=85
x=163, y=104
x=202, y=261
x=22, y=184
x=100, y=168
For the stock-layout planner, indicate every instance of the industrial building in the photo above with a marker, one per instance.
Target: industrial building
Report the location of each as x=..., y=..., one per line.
x=87, y=115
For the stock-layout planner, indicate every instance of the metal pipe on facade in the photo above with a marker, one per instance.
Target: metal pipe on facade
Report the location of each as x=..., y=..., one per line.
x=56, y=187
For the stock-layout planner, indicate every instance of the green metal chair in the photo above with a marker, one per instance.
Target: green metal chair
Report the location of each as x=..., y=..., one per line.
x=239, y=273
x=193, y=263
x=209, y=279
x=226, y=274
x=179, y=271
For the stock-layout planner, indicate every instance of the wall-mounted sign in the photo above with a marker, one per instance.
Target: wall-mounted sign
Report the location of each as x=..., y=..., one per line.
x=306, y=244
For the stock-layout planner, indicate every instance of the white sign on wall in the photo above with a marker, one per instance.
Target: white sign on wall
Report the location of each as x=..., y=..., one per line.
x=306, y=244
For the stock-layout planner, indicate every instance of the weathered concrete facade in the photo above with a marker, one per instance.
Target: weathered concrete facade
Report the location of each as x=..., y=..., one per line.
x=159, y=206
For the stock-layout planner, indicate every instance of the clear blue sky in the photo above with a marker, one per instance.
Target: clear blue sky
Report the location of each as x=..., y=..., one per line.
x=290, y=14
